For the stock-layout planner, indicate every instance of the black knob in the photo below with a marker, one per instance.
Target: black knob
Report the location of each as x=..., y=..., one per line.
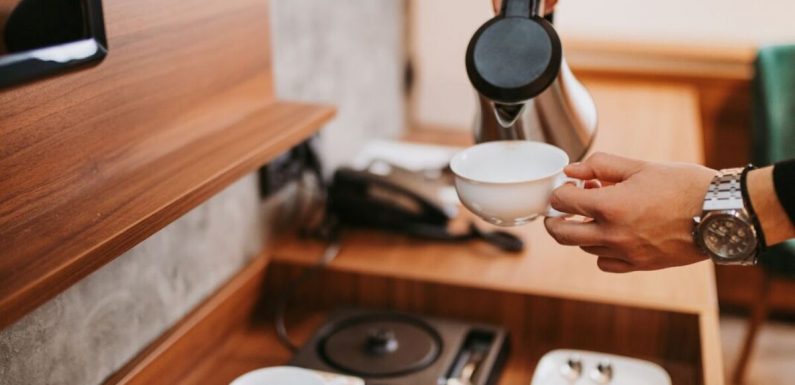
x=381, y=341
x=603, y=373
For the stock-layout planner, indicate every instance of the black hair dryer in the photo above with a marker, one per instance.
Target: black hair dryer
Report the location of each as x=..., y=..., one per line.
x=526, y=89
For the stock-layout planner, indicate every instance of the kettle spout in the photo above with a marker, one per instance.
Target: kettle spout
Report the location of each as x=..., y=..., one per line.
x=508, y=114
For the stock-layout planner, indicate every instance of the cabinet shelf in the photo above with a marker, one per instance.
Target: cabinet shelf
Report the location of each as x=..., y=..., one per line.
x=120, y=197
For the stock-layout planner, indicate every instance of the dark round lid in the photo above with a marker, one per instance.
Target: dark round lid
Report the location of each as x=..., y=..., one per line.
x=512, y=59
x=381, y=346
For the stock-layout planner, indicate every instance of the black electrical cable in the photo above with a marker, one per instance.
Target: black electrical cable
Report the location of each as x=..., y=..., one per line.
x=327, y=229
x=318, y=225
x=331, y=252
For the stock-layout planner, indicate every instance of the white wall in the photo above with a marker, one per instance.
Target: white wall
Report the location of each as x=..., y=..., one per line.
x=441, y=30
x=686, y=21
x=348, y=53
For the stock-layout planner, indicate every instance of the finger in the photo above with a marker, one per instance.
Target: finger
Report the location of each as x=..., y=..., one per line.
x=496, y=4
x=573, y=200
x=611, y=265
x=606, y=252
x=602, y=251
x=573, y=233
x=550, y=5
x=604, y=167
x=593, y=183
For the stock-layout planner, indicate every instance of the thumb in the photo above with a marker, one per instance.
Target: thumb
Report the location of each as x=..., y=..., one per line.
x=604, y=167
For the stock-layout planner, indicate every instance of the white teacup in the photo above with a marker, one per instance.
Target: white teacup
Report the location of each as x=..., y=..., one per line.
x=280, y=375
x=508, y=183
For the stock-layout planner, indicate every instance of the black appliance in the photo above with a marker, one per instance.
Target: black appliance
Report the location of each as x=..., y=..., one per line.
x=43, y=37
x=394, y=348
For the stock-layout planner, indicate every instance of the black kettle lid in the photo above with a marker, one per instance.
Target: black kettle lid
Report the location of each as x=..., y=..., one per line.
x=514, y=56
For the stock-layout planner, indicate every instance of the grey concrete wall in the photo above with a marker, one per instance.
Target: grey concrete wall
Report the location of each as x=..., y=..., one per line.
x=348, y=53
x=344, y=52
x=94, y=327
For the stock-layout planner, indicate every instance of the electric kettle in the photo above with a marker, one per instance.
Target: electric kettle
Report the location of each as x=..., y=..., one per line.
x=526, y=90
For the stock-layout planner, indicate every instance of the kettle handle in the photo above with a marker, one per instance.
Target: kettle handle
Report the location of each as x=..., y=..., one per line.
x=521, y=8
x=524, y=8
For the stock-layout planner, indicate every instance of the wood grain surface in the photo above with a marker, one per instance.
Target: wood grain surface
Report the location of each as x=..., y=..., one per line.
x=652, y=59
x=641, y=120
x=649, y=122
x=94, y=161
x=720, y=74
x=536, y=324
x=550, y=297
x=231, y=333
x=6, y=7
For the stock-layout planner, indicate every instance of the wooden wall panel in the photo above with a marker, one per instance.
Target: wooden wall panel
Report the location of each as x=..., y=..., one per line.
x=232, y=332
x=726, y=121
x=739, y=289
x=721, y=76
x=537, y=324
x=725, y=108
x=94, y=161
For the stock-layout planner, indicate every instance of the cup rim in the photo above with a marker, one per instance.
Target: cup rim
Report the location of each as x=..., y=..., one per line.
x=457, y=159
x=255, y=375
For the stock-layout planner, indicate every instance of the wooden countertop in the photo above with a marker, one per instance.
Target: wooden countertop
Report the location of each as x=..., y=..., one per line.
x=656, y=124
x=231, y=333
x=641, y=120
x=672, y=312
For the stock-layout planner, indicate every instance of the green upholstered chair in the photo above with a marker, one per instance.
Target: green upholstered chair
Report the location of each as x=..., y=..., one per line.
x=773, y=141
x=774, y=130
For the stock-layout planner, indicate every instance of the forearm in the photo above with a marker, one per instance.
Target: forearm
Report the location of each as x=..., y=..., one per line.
x=773, y=218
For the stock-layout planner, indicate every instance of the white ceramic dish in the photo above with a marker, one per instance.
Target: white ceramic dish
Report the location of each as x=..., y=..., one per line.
x=554, y=369
x=508, y=183
x=280, y=375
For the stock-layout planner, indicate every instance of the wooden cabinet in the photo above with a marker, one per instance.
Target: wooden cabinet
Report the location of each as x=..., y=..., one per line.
x=549, y=296
x=94, y=161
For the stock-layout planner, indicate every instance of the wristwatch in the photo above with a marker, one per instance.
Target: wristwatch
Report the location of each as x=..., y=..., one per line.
x=727, y=230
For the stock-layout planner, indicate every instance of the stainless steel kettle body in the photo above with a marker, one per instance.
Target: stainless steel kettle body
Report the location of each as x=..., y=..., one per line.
x=526, y=90
x=563, y=115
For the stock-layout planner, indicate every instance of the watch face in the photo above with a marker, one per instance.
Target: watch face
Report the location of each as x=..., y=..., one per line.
x=728, y=236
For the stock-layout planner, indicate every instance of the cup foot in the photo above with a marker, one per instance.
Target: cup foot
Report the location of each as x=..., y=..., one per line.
x=512, y=222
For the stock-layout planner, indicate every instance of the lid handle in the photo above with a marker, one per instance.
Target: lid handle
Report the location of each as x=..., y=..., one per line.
x=521, y=8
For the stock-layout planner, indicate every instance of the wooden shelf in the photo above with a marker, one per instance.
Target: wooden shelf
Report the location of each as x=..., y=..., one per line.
x=549, y=297
x=661, y=60
x=95, y=160
x=254, y=347
x=542, y=270
x=630, y=114
x=51, y=243
x=230, y=334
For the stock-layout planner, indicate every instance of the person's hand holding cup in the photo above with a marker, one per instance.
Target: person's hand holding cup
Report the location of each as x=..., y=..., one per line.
x=509, y=183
